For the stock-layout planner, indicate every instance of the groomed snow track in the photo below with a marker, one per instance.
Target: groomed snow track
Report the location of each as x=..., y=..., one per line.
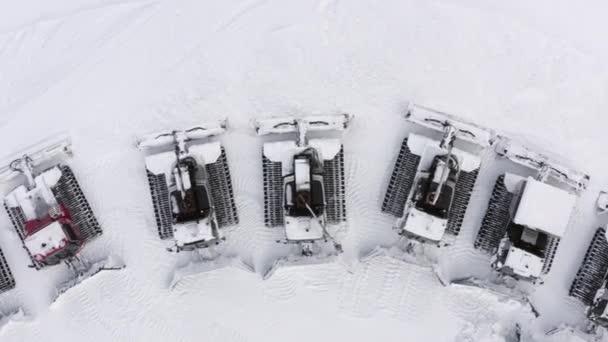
x=593, y=269
x=7, y=281
x=497, y=217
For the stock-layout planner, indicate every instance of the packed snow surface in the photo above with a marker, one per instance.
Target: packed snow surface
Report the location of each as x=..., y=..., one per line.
x=108, y=71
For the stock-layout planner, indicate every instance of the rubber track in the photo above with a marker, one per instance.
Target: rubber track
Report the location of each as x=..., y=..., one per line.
x=497, y=218
x=222, y=194
x=273, y=193
x=402, y=179
x=593, y=269
x=334, y=187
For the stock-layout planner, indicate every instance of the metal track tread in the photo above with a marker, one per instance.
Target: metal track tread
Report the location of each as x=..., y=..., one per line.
x=335, y=190
x=460, y=203
x=593, y=269
x=401, y=181
x=162, y=205
x=273, y=193
x=18, y=220
x=68, y=192
x=550, y=254
x=7, y=281
x=497, y=218
x=220, y=185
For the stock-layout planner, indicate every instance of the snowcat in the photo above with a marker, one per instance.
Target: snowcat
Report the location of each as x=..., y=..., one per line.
x=50, y=213
x=434, y=175
x=528, y=215
x=304, y=188
x=190, y=185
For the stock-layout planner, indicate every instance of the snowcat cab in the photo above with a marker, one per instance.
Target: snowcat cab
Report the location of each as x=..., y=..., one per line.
x=49, y=211
x=527, y=216
x=304, y=183
x=434, y=175
x=304, y=199
x=190, y=185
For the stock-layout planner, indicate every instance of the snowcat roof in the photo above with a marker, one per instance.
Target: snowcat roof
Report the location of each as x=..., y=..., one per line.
x=544, y=207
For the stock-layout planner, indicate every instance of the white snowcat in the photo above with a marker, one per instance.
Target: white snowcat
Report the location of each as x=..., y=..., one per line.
x=190, y=185
x=434, y=175
x=192, y=195
x=50, y=213
x=304, y=190
x=527, y=216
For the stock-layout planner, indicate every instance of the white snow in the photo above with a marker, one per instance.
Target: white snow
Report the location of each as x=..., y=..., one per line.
x=108, y=71
x=544, y=207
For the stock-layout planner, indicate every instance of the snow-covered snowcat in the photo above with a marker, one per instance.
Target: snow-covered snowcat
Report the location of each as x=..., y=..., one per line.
x=190, y=185
x=304, y=188
x=434, y=175
x=527, y=216
x=50, y=212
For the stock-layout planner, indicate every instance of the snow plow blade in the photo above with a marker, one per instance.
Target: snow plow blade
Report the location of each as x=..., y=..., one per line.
x=525, y=156
x=88, y=270
x=281, y=125
x=167, y=137
x=436, y=120
x=45, y=152
x=496, y=288
x=297, y=261
x=194, y=268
